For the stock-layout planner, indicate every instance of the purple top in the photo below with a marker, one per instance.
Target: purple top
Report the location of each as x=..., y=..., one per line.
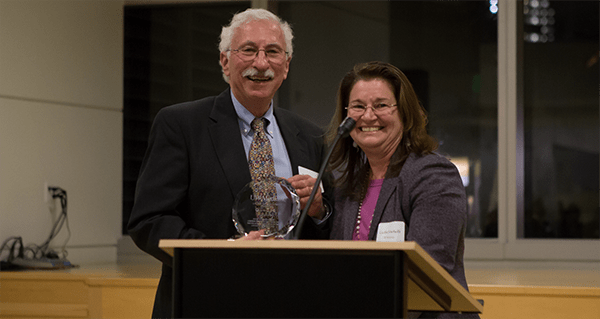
x=368, y=208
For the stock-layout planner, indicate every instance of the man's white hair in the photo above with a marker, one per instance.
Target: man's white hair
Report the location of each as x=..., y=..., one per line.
x=241, y=18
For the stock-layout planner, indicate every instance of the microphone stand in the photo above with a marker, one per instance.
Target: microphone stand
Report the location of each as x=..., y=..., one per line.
x=343, y=131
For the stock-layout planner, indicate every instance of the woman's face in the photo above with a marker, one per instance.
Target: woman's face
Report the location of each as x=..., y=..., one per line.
x=376, y=132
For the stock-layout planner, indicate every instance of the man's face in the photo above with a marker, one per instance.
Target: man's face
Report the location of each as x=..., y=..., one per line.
x=260, y=87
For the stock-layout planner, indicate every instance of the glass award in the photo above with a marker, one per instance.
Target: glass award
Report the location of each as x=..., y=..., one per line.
x=271, y=204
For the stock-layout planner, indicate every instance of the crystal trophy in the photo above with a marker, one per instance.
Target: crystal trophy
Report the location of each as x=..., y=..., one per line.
x=271, y=204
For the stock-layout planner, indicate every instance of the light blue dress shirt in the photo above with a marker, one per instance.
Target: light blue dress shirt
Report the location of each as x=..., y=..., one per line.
x=283, y=166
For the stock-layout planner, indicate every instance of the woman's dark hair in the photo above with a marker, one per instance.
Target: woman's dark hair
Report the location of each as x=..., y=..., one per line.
x=349, y=163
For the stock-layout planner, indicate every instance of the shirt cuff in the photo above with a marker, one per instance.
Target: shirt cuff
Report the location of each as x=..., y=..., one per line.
x=327, y=214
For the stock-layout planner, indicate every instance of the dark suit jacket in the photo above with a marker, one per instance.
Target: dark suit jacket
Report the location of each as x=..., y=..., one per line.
x=430, y=198
x=194, y=167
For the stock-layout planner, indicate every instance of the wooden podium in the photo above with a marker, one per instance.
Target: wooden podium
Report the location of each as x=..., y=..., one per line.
x=309, y=278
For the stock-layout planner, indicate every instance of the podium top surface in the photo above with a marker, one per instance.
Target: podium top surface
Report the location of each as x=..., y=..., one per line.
x=169, y=245
x=431, y=288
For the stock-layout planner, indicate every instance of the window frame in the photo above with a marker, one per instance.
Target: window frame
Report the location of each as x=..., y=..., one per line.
x=508, y=246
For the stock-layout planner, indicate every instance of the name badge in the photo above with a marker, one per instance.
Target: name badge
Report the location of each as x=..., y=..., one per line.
x=390, y=232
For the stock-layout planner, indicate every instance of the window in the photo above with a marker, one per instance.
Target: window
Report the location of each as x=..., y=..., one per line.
x=560, y=122
x=453, y=70
x=171, y=55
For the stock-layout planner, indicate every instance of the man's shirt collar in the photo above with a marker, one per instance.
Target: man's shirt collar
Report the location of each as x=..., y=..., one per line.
x=246, y=117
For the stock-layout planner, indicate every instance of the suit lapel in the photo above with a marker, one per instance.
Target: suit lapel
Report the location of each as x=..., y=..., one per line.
x=296, y=147
x=225, y=135
x=387, y=189
x=349, y=219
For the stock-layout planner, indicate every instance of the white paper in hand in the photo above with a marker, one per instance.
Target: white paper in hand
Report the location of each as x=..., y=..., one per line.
x=311, y=173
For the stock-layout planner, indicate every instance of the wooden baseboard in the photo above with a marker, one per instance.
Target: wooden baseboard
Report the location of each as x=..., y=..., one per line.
x=42, y=310
x=48, y=294
x=537, y=302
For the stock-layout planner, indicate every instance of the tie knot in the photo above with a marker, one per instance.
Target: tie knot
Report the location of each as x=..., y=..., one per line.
x=258, y=124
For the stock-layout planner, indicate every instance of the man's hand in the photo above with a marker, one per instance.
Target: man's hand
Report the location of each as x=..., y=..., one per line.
x=256, y=235
x=304, y=186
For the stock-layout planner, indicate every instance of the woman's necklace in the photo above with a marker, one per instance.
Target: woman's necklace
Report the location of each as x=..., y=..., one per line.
x=358, y=222
x=363, y=193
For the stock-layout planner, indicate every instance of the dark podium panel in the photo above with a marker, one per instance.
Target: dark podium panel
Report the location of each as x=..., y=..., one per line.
x=286, y=278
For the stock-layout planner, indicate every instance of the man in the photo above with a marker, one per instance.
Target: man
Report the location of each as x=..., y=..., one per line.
x=197, y=157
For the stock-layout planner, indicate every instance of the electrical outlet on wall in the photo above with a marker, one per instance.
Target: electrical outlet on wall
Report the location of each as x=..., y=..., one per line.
x=46, y=193
x=48, y=197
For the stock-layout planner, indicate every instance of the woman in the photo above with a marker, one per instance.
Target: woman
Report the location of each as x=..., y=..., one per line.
x=387, y=171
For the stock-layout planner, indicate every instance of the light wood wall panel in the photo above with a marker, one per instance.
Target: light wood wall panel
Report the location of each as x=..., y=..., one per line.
x=105, y=295
x=540, y=302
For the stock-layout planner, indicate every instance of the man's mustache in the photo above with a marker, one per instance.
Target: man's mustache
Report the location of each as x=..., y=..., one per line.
x=252, y=72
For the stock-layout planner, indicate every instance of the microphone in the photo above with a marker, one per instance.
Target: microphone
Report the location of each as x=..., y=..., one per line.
x=345, y=128
x=343, y=131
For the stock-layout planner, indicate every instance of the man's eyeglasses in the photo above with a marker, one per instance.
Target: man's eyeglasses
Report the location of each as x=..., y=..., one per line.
x=249, y=53
x=378, y=109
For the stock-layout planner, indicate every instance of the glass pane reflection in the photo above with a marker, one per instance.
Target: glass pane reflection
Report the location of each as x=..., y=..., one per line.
x=561, y=120
x=449, y=52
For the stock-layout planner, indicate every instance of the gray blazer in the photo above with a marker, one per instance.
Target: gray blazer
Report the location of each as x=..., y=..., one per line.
x=430, y=198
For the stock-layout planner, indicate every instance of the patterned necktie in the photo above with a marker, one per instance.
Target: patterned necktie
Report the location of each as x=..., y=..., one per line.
x=262, y=167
